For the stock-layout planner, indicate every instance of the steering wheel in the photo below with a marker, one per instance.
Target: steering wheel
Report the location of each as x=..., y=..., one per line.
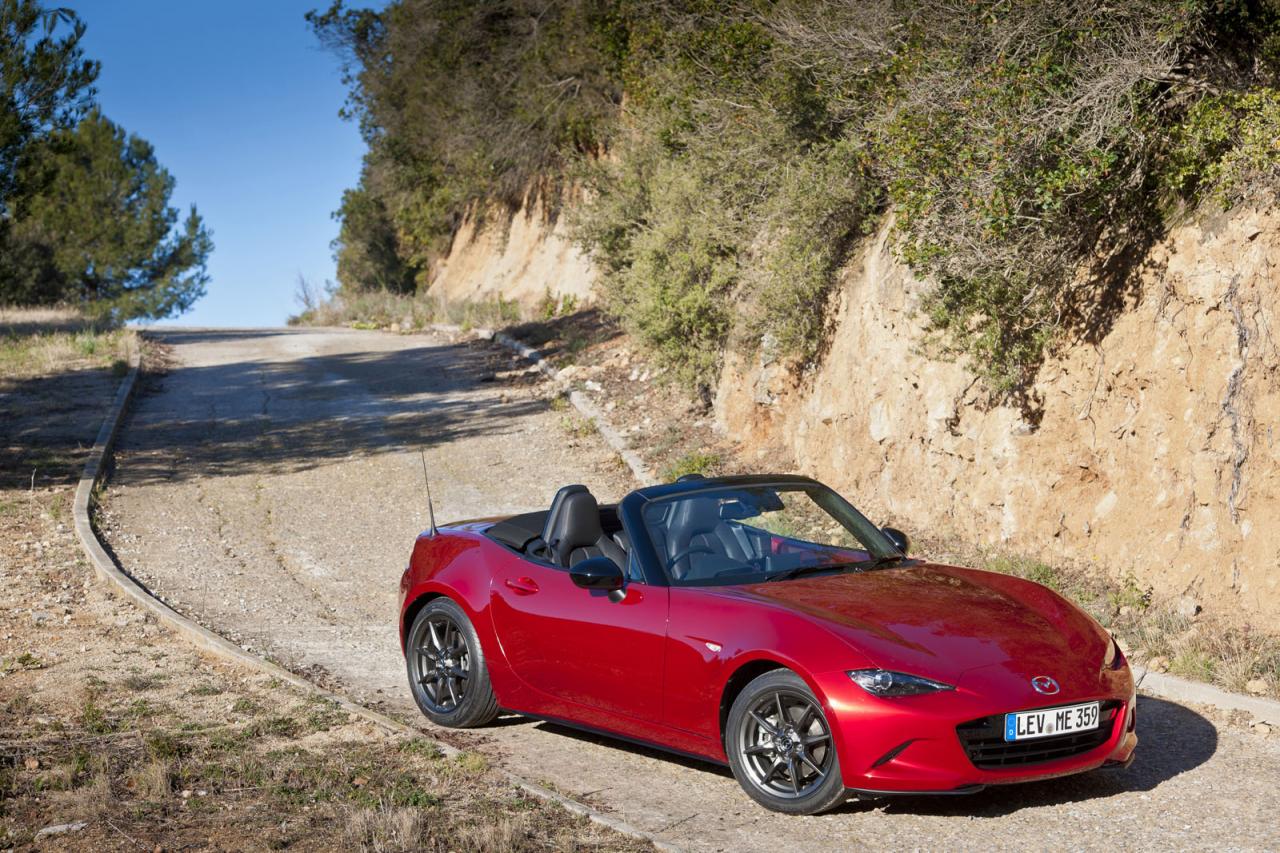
x=692, y=549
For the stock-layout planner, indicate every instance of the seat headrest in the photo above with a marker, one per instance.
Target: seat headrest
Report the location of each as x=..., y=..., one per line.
x=693, y=516
x=556, y=503
x=575, y=524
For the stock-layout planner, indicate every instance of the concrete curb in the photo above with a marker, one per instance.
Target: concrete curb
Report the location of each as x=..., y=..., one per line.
x=1184, y=690
x=206, y=640
x=588, y=409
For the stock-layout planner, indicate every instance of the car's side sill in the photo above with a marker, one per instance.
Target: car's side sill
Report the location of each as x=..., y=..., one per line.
x=612, y=735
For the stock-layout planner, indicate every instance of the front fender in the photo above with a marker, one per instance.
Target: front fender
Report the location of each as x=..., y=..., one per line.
x=714, y=639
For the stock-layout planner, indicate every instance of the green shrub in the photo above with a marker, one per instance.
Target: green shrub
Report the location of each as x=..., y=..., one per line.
x=1228, y=146
x=692, y=463
x=1029, y=151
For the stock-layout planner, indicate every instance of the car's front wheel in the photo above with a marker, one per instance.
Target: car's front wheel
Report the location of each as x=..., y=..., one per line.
x=446, y=665
x=780, y=747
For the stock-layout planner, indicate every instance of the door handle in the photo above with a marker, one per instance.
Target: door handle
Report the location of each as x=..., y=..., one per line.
x=522, y=586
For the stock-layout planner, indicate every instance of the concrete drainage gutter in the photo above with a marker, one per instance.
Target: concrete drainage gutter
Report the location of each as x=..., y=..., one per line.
x=1184, y=690
x=95, y=469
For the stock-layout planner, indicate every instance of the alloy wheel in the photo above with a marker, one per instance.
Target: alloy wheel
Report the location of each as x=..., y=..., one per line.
x=442, y=662
x=785, y=744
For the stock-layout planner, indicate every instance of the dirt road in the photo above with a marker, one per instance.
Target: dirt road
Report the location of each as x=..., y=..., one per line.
x=269, y=484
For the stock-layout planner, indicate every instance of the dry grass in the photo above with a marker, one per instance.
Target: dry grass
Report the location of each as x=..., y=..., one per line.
x=37, y=342
x=502, y=833
x=152, y=780
x=383, y=828
x=86, y=798
x=27, y=321
x=406, y=312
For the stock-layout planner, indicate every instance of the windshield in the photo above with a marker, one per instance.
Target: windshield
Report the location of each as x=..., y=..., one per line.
x=748, y=534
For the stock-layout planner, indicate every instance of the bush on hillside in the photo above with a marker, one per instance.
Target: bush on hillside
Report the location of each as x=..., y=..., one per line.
x=1029, y=150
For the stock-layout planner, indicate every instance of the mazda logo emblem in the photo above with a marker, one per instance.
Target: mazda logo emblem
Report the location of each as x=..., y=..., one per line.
x=1044, y=684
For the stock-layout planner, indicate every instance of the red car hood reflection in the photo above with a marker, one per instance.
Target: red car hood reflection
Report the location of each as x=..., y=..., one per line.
x=940, y=621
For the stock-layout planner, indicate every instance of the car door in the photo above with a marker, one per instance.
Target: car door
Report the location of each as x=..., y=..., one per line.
x=582, y=646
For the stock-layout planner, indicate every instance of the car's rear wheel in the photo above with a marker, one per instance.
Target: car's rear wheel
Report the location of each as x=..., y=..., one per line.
x=780, y=747
x=447, y=671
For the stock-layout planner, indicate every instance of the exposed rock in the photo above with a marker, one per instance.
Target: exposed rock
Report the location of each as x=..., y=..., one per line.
x=1188, y=607
x=1144, y=456
x=1158, y=664
x=60, y=829
x=529, y=260
x=1256, y=686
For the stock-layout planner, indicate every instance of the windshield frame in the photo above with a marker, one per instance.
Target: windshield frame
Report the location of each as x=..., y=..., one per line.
x=632, y=507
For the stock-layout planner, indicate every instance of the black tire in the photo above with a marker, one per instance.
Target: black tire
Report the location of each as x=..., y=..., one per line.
x=446, y=667
x=790, y=767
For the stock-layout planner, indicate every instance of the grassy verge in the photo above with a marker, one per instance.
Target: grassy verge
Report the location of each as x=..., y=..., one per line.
x=410, y=312
x=222, y=764
x=33, y=343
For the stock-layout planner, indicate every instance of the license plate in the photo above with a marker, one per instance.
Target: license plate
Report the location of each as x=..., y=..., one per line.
x=1028, y=725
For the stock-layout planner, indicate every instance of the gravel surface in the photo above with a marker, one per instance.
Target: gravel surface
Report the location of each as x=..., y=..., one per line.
x=270, y=485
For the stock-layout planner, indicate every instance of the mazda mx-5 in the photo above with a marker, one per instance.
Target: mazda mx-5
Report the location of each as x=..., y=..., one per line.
x=764, y=623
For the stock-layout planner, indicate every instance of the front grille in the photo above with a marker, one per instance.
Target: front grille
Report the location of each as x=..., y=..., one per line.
x=983, y=739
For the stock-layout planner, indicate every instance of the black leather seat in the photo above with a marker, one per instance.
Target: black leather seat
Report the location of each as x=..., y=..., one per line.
x=703, y=541
x=573, y=532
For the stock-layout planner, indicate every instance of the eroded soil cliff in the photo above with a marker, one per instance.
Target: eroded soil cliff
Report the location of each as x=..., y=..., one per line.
x=1151, y=452
x=523, y=257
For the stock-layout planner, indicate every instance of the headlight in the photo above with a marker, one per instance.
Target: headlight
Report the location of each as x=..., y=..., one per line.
x=882, y=682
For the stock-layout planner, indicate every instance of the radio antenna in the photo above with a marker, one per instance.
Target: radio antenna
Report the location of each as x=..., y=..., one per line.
x=431, y=510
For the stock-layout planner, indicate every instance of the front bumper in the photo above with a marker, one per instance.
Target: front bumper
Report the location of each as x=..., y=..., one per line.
x=911, y=745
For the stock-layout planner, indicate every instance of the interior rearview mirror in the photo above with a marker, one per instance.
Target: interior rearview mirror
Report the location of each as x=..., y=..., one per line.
x=597, y=573
x=737, y=511
x=898, y=538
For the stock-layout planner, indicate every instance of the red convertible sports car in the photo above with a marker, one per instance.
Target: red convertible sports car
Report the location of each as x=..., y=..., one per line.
x=764, y=623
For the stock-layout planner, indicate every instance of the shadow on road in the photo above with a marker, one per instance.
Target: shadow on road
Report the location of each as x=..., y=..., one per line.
x=688, y=761
x=1173, y=740
x=48, y=423
x=287, y=413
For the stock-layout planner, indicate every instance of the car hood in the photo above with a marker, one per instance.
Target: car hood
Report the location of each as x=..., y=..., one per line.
x=942, y=621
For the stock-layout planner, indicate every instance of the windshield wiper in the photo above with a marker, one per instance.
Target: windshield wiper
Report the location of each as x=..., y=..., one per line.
x=877, y=562
x=860, y=565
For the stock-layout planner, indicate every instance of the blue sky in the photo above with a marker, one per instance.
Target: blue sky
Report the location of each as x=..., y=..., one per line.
x=242, y=105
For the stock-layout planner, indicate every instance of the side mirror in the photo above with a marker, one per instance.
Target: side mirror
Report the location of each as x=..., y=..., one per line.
x=597, y=573
x=898, y=538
